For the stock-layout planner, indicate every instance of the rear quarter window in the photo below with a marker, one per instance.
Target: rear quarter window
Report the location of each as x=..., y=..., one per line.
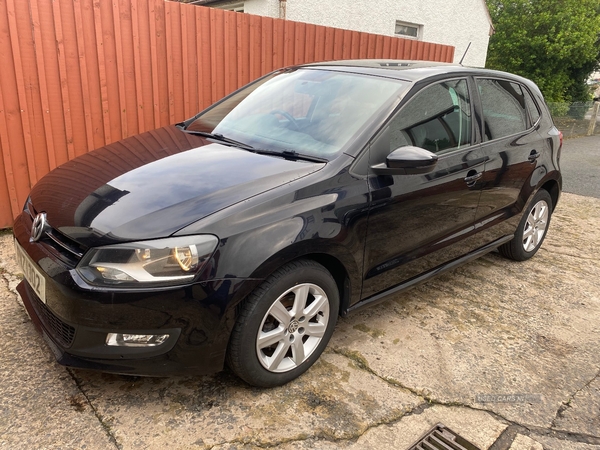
x=532, y=107
x=504, y=110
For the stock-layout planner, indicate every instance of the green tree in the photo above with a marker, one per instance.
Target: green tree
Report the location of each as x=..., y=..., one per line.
x=556, y=43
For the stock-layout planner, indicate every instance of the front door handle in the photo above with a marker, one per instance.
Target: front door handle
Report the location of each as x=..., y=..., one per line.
x=533, y=156
x=471, y=179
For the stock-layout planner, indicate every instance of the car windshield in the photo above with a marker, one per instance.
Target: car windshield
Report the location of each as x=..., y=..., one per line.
x=309, y=111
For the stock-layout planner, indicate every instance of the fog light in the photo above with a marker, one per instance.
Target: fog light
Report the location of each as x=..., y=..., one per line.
x=135, y=340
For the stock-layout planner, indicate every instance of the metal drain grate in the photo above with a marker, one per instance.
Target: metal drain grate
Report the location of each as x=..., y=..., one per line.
x=442, y=438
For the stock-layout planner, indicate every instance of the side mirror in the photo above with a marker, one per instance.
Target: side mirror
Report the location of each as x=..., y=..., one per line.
x=407, y=160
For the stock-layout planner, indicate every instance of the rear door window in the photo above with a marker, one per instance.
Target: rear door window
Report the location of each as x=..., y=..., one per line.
x=504, y=110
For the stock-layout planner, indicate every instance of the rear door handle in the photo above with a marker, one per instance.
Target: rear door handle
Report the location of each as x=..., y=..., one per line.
x=471, y=179
x=533, y=156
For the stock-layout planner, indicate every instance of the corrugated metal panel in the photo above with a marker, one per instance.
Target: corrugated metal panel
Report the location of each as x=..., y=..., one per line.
x=80, y=74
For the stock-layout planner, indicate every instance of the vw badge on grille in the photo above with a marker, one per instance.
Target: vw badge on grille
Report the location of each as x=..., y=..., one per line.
x=38, y=227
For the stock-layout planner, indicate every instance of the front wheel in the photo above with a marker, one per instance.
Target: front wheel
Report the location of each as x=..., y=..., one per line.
x=284, y=325
x=531, y=230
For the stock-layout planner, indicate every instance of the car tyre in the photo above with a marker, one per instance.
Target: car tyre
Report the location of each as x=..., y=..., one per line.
x=284, y=325
x=532, y=229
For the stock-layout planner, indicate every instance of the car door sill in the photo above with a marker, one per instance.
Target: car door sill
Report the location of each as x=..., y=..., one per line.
x=382, y=296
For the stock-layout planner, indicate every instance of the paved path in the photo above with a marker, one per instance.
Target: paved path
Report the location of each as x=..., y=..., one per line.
x=492, y=327
x=580, y=165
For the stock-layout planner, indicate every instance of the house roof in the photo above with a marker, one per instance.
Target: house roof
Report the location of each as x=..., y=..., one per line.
x=489, y=16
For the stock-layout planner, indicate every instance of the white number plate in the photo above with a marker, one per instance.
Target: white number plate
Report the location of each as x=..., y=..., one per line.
x=32, y=274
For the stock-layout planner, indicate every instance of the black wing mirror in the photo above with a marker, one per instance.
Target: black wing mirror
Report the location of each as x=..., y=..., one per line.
x=407, y=160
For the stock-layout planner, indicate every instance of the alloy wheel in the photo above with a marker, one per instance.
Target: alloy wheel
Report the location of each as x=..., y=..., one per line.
x=536, y=225
x=292, y=328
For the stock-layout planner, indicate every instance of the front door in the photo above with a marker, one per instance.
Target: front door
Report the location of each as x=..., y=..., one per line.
x=417, y=222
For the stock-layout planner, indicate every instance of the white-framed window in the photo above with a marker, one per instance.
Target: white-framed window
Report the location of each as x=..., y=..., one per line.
x=238, y=7
x=408, y=30
x=228, y=5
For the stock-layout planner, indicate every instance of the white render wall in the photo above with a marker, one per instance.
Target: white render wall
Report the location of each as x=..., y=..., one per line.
x=269, y=8
x=450, y=22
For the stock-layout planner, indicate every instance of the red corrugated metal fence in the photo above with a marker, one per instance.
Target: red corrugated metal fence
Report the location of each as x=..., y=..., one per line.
x=78, y=74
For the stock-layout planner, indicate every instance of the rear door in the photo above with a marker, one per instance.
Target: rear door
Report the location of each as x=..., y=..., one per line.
x=513, y=145
x=417, y=222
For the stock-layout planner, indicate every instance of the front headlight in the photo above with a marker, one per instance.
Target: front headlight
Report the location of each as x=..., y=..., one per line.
x=163, y=261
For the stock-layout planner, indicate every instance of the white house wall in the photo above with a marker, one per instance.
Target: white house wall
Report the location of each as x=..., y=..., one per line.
x=450, y=22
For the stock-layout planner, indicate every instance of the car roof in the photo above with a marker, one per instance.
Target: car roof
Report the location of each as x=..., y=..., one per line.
x=412, y=71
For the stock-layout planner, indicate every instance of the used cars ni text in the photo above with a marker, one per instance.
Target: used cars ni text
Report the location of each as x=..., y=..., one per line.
x=240, y=235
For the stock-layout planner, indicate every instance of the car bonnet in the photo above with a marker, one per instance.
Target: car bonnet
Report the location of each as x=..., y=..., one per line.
x=151, y=185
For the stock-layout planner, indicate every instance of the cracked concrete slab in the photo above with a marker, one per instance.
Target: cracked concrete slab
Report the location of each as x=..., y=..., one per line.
x=482, y=431
x=9, y=269
x=496, y=327
x=336, y=400
x=456, y=350
x=581, y=413
x=522, y=442
x=550, y=443
x=40, y=404
x=478, y=427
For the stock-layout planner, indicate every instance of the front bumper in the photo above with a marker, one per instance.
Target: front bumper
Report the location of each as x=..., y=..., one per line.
x=60, y=338
x=76, y=318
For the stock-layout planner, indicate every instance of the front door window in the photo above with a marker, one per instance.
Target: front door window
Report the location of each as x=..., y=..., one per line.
x=437, y=119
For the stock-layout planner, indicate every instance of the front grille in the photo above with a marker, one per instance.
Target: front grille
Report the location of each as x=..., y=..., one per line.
x=442, y=438
x=65, y=244
x=61, y=331
x=65, y=248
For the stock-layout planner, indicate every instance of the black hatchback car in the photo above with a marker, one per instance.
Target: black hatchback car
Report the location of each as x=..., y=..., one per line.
x=241, y=234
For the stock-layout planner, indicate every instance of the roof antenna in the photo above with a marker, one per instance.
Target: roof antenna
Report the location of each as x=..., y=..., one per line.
x=465, y=54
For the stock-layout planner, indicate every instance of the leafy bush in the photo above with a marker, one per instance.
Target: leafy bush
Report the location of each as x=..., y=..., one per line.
x=554, y=43
x=558, y=109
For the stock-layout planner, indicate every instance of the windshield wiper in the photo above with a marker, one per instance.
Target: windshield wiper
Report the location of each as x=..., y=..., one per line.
x=295, y=154
x=220, y=137
x=288, y=154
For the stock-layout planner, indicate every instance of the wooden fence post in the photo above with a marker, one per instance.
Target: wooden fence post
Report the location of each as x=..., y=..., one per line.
x=593, y=119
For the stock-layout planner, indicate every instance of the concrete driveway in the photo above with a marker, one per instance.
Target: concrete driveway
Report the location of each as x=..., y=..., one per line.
x=580, y=166
x=457, y=351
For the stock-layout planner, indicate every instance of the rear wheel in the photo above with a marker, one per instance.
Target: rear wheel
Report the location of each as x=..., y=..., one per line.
x=532, y=229
x=284, y=325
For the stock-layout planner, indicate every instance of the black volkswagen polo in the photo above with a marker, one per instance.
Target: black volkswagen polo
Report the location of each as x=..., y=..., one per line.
x=240, y=235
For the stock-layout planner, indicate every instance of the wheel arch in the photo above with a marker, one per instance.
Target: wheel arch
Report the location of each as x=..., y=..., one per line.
x=337, y=261
x=553, y=188
x=339, y=273
x=340, y=266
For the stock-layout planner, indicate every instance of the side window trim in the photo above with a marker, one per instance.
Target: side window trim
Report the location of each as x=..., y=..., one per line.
x=536, y=106
x=476, y=113
x=481, y=114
